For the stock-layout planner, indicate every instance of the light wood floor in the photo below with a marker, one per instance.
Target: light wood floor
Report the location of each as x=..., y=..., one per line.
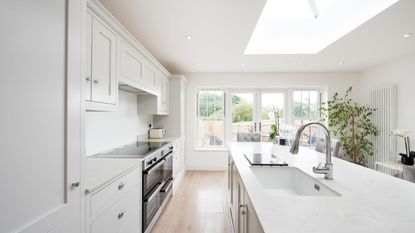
x=198, y=206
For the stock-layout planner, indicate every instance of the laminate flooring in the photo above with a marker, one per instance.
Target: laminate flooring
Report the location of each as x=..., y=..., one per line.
x=198, y=206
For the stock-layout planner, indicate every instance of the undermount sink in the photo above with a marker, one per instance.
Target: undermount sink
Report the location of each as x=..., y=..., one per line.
x=289, y=181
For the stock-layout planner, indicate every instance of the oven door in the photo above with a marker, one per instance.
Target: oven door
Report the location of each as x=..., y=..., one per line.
x=168, y=166
x=151, y=204
x=153, y=176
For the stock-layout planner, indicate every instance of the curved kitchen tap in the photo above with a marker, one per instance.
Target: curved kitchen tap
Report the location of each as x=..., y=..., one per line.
x=327, y=169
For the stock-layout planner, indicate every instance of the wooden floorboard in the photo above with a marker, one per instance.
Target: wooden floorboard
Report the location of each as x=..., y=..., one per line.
x=198, y=206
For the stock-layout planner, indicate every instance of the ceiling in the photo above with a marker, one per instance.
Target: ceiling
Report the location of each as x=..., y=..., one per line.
x=221, y=29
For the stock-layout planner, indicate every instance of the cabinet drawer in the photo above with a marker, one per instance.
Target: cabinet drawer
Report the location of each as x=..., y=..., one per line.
x=113, y=191
x=124, y=216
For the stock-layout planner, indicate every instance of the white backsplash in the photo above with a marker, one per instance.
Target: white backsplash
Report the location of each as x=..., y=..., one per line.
x=106, y=130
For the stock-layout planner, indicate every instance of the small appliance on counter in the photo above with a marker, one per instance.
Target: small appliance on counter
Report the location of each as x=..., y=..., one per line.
x=156, y=133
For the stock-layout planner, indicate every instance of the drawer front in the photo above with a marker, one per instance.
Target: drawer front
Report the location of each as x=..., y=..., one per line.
x=124, y=216
x=112, y=192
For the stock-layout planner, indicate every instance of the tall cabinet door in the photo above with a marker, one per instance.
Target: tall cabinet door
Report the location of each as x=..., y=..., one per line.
x=103, y=67
x=88, y=45
x=40, y=99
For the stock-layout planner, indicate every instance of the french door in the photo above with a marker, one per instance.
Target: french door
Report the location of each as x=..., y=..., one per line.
x=256, y=112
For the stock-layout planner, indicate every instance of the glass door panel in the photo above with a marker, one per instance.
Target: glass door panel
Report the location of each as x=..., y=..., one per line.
x=243, y=114
x=272, y=112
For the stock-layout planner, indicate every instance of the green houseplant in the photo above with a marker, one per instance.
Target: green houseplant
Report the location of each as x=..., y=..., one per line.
x=275, y=128
x=351, y=123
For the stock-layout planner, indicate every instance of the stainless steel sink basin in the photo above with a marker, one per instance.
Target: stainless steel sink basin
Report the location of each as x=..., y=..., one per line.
x=288, y=181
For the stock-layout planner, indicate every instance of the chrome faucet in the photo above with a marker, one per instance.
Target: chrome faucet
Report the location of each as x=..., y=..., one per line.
x=327, y=169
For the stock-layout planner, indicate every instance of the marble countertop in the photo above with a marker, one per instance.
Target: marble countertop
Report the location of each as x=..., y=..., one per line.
x=101, y=171
x=370, y=201
x=167, y=139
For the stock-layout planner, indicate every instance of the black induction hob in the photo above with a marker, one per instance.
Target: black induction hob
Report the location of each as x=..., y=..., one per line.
x=134, y=150
x=264, y=159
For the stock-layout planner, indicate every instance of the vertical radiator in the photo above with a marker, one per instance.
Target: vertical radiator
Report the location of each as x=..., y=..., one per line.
x=383, y=99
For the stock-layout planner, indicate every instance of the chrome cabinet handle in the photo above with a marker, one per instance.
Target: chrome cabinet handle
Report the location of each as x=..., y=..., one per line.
x=121, y=214
x=121, y=186
x=242, y=208
x=96, y=81
x=88, y=78
x=75, y=184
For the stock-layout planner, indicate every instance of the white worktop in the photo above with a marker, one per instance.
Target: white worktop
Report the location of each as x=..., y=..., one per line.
x=169, y=139
x=370, y=201
x=101, y=171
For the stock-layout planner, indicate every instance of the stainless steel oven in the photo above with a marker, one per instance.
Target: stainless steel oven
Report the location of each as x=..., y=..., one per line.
x=157, y=185
x=167, y=174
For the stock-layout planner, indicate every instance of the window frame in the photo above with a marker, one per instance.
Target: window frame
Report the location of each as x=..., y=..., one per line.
x=227, y=110
x=320, y=92
x=222, y=147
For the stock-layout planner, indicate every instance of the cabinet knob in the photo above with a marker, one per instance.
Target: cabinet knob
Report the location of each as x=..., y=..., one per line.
x=88, y=78
x=75, y=184
x=96, y=81
x=242, y=208
x=121, y=186
x=121, y=214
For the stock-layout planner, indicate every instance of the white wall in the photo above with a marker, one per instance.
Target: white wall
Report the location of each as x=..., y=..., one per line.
x=106, y=130
x=217, y=160
x=400, y=72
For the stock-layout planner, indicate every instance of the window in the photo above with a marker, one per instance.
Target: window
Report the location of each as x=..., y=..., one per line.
x=306, y=104
x=210, y=127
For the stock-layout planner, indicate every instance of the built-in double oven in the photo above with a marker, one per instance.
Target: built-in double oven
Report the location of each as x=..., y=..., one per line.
x=157, y=185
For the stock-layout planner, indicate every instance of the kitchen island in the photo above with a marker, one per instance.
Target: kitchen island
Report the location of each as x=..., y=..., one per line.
x=361, y=200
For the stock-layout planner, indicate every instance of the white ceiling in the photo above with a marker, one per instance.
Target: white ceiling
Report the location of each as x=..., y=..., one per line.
x=221, y=29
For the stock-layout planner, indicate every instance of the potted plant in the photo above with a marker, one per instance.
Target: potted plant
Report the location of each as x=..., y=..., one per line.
x=352, y=124
x=275, y=128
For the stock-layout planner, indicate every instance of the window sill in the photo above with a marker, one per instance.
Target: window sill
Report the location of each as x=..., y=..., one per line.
x=224, y=149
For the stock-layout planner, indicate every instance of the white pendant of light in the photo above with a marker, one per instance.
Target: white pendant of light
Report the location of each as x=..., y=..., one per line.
x=309, y=26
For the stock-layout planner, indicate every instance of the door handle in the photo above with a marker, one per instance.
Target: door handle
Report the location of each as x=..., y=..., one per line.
x=254, y=127
x=260, y=127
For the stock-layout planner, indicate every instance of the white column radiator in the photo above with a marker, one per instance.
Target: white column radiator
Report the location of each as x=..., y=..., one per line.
x=384, y=100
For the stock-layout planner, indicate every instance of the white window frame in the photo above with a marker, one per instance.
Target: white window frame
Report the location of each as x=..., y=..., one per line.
x=197, y=118
x=227, y=118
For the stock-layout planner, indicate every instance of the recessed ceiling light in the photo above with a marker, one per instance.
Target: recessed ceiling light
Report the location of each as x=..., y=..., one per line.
x=294, y=63
x=407, y=35
x=197, y=64
x=188, y=37
x=341, y=63
x=308, y=27
x=242, y=64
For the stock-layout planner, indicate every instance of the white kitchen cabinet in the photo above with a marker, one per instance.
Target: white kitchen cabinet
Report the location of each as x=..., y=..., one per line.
x=149, y=75
x=40, y=123
x=165, y=95
x=130, y=64
x=157, y=104
x=243, y=215
x=131, y=70
x=178, y=163
x=101, y=93
x=175, y=122
x=116, y=207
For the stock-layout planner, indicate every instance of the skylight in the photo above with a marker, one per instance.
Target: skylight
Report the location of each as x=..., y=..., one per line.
x=309, y=26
